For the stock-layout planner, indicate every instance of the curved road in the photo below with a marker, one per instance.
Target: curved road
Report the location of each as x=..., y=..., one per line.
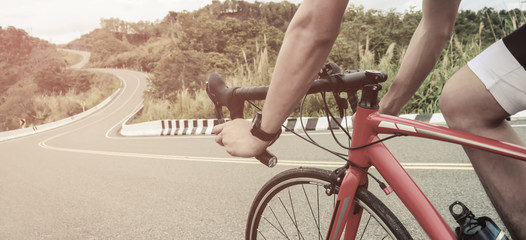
x=85, y=57
x=84, y=181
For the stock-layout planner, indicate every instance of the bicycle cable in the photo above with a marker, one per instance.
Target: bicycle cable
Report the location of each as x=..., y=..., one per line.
x=342, y=156
x=301, y=119
x=329, y=113
x=306, y=132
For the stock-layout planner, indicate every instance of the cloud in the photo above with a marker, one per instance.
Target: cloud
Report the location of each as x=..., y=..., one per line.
x=61, y=21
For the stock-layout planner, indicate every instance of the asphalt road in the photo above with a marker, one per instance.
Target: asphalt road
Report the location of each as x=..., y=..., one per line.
x=82, y=62
x=84, y=181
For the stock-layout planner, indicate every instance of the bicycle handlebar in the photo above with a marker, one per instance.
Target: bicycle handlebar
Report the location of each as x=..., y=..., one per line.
x=221, y=95
x=234, y=97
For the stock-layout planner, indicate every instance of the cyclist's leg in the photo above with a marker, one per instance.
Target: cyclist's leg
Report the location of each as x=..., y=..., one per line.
x=467, y=105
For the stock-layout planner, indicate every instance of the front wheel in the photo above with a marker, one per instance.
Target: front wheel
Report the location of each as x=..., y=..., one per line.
x=294, y=205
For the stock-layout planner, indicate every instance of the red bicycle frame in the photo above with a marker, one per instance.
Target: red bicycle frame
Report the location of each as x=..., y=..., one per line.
x=368, y=124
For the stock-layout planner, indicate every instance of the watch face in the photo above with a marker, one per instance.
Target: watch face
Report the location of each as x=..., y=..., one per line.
x=260, y=134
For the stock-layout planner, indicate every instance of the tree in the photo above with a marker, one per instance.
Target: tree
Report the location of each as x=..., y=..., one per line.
x=181, y=49
x=178, y=70
x=51, y=80
x=105, y=44
x=278, y=14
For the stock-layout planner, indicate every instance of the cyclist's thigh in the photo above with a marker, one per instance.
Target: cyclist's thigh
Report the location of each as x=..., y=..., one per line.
x=466, y=101
x=503, y=75
x=492, y=86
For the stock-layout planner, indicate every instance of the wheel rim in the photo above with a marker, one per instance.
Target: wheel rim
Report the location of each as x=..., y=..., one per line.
x=299, y=208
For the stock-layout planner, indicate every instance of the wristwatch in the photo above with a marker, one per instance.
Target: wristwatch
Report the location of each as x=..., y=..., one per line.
x=262, y=135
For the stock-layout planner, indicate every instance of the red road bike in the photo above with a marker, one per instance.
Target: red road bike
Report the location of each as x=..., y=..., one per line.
x=312, y=203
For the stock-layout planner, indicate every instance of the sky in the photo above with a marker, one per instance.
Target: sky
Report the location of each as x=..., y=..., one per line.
x=61, y=21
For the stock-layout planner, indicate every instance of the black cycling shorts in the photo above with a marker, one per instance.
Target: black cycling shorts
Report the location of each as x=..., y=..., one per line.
x=516, y=43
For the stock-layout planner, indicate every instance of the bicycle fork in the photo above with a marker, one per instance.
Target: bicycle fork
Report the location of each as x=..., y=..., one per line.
x=346, y=213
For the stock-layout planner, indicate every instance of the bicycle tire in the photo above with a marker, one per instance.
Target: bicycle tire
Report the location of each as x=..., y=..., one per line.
x=269, y=203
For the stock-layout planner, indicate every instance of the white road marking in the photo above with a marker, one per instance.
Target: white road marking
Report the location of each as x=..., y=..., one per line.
x=328, y=164
x=129, y=116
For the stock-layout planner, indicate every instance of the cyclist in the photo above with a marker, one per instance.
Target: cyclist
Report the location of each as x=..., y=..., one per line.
x=477, y=99
x=306, y=46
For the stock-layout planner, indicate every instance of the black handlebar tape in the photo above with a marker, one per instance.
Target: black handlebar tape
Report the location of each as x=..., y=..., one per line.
x=268, y=159
x=234, y=97
x=252, y=93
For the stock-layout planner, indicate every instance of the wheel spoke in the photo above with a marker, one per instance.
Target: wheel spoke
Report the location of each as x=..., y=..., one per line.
x=295, y=221
x=365, y=227
x=284, y=233
x=283, y=209
x=318, y=207
x=312, y=211
x=290, y=216
x=261, y=234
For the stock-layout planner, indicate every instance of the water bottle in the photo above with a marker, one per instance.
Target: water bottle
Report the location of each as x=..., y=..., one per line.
x=474, y=228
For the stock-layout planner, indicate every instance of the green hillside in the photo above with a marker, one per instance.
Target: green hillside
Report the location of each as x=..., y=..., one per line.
x=237, y=38
x=35, y=85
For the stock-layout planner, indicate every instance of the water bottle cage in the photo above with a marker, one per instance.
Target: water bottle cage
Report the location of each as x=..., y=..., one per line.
x=474, y=228
x=471, y=228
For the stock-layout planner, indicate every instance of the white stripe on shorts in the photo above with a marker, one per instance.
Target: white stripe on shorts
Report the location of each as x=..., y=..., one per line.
x=503, y=76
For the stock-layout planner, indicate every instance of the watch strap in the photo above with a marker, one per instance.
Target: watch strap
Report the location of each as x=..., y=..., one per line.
x=262, y=135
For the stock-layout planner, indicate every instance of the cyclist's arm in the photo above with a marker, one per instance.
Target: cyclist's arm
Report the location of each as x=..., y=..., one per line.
x=306, y=46
x=424, y=49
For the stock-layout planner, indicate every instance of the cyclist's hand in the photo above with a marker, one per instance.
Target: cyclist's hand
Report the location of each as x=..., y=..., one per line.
x=235, y=136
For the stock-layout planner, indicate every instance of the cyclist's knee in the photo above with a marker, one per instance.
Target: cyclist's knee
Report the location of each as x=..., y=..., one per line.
x=450, y=103
x=466, y=104
x=453, y=113
x=447, y=106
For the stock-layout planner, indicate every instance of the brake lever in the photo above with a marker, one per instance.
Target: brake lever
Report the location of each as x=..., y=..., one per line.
x=341, y=103
x=219, y=114
x=266, y=158
x=352, y=97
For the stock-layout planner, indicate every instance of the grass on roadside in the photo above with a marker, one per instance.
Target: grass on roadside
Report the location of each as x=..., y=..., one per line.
x=425, y=100
x=49, y=108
